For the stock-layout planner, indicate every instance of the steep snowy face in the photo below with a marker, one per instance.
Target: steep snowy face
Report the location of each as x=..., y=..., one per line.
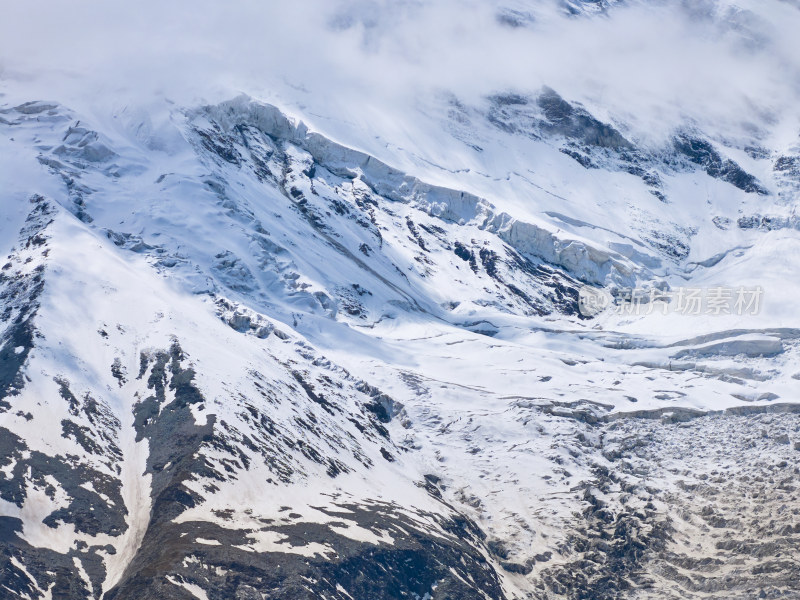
x=143, y=424
x=297, y=345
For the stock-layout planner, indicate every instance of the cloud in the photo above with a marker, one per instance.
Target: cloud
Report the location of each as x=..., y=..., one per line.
x=653, y=65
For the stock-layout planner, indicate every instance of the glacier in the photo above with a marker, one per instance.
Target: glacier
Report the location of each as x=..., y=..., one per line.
x=314, y=329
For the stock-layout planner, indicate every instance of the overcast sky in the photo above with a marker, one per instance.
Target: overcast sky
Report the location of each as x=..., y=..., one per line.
x=653, y=64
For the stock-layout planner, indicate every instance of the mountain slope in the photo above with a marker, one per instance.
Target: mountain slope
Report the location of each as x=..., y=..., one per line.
x=253, y=352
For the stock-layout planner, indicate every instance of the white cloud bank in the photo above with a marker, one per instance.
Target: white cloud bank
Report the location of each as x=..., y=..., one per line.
x=733, y=65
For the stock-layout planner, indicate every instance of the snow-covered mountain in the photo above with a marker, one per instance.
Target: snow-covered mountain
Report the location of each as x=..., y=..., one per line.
x=297, y=344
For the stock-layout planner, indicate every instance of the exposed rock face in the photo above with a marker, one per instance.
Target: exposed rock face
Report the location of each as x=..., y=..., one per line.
x=415, y=563
x=702, y=153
